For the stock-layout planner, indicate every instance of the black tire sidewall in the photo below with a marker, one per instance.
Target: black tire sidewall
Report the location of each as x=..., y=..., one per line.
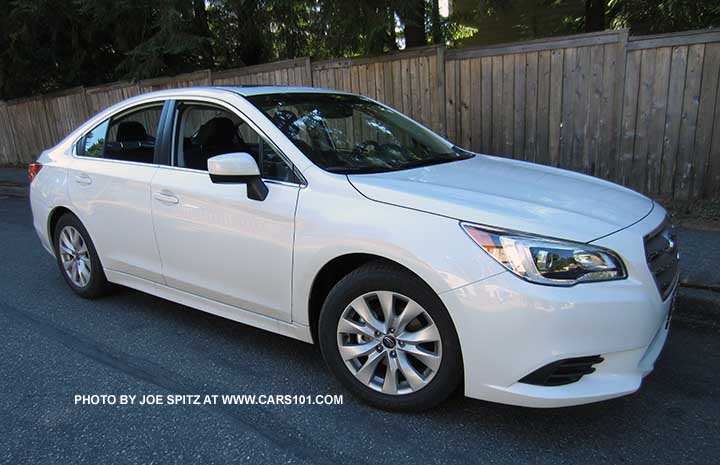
x=383, y=278
x=98, y=284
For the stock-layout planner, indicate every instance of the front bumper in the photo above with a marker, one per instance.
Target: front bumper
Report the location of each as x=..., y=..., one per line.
x=509, y=328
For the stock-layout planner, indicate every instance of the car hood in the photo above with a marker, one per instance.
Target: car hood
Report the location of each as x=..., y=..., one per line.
x=511, y=194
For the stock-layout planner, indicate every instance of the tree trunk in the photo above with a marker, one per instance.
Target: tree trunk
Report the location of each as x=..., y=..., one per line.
x=200, y=25
x=435, y=19
x=413, y=17
x=594, y=15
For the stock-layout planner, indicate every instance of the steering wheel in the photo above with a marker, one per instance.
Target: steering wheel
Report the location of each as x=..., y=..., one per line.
x=365, y=147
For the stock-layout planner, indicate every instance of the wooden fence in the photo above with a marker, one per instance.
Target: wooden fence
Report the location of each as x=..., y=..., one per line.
x=641, y=111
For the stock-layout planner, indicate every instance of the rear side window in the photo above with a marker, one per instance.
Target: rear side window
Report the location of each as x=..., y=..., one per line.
x=93, y=144
x=129, y=136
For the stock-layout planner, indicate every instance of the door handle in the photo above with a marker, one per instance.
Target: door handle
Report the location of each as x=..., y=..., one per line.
x=83, y=179
x=166, y=198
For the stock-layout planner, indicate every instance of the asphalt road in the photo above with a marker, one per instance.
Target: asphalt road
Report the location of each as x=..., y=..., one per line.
x=54, y=345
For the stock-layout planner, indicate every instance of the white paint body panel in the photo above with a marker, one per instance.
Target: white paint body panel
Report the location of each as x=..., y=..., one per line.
x=255, y=262
x=233, y=164
x=218, y=243
x=512, y=194
x=113, y=201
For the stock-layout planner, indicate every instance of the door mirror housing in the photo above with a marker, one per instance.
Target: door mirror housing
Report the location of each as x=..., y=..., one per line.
x=238, y=168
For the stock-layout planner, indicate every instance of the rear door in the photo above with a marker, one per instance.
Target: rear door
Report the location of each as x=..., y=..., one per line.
x=214, y=241
x=109, y=187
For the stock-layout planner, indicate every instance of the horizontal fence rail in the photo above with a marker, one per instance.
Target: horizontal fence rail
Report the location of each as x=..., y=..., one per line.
x=641, y=111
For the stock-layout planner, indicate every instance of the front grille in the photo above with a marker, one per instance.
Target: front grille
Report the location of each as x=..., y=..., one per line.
x=662, y=257
x=563, y=372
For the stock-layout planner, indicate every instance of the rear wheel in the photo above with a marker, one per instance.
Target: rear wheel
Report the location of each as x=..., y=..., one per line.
x=77, y=258
x=387, y=336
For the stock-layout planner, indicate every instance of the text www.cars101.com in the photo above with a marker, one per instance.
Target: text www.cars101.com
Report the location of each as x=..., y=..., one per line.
x=208, y=399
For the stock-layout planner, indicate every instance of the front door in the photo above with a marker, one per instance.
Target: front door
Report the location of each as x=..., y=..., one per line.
x=214, y=241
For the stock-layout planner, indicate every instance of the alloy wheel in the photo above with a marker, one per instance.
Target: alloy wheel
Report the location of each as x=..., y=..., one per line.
x=74, y=256
x=389, y=342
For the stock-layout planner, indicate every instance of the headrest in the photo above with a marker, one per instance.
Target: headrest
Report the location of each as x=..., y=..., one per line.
x=131, y=131
x=218, y=131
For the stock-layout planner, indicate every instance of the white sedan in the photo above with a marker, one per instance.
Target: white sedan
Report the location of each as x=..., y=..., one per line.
x=417, y=266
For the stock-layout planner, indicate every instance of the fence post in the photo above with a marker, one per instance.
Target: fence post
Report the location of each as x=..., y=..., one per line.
x=308, y=70
x=617, y=107
x=440, y=96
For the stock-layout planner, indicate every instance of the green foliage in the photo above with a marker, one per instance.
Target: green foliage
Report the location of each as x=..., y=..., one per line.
x=659, y=16
x=171, y=45
x=54, y=44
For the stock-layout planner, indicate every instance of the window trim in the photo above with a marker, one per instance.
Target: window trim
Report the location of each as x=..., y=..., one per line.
x=120, y=113
x=172, y=120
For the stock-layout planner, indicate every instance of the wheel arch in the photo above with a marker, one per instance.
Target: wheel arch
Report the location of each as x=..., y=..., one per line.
x=332, y=272
x=55, y=214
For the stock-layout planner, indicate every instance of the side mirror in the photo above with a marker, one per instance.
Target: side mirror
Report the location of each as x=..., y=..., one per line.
x=238, y=168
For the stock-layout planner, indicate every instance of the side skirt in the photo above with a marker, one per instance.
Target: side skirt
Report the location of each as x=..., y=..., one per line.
x=293, y=330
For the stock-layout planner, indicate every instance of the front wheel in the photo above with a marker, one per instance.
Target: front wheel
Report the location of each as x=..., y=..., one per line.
x=389, y=339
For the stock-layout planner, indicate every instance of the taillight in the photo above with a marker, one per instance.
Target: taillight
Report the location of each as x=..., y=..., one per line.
x=33, y=170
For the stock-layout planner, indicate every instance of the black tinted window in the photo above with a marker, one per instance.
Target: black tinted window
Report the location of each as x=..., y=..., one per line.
x=127, y=137
x=349, y=134
x=206, y=131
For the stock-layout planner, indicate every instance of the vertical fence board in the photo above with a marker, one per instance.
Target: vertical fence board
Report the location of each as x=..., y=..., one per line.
x=451, y=100
x=425, y=96
x=531, y=106
x=465, y=104
x=673, y=118
x=688, y=123
x=605, y=154
x=712, y=175
x=486, y=96
x=519, y=107
x=542, y=151
x=656, y=125
x=579, y=160
x=644, y=106
x=629, y=116
x=497, y=104
x=592, y=152
x=557, y=57
x=370, y=80
x=388, y=78
x=508, y=76
x=476, y=115
x=569, y=83
x=706, y=114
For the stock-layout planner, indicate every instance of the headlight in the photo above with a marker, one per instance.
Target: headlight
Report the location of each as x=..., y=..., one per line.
x=547, y=261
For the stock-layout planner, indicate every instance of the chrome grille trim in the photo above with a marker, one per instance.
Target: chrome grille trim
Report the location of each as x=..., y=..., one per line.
x=661, y=253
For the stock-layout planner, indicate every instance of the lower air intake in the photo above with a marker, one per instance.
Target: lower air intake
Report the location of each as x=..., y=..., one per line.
x=563, y=372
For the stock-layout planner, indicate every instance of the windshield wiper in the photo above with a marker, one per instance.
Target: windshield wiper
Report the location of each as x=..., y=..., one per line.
x=357, y=169
x=431, y=161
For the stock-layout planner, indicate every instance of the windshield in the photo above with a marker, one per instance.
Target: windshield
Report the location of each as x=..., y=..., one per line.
x=350, y=134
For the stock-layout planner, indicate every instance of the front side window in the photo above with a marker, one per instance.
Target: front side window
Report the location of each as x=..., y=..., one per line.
x=350, y=134
x=129, y=136
x=204, y=131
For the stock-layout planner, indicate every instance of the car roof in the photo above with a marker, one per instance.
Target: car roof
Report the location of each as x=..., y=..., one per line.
x=262, y=90
x=245, y=91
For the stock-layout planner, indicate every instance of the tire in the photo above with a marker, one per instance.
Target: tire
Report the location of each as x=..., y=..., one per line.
x=89, y=285
x=388, y=388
